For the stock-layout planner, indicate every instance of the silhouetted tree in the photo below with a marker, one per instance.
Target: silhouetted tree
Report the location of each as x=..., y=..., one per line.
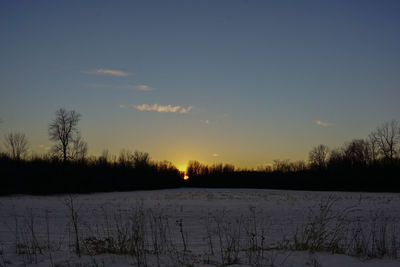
x=125, y=158
x=336, y=158
x=79, y=148
x=104, y=157
x=357, y=153
x=318, y=156
x=299, y=165
x=141, y=159
x=63, y=130
x=194, y=168
x=16, y=144
x=282, y=166
x=373, y=146
x=228, y=168
x=387, y=138
x=216, y=169
x=166, y=166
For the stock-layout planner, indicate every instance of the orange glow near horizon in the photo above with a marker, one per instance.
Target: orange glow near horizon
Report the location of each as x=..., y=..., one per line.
x=186, y=177
x=182, y=167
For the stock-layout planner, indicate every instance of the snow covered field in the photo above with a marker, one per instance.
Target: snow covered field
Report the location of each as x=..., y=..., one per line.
x=201, y=227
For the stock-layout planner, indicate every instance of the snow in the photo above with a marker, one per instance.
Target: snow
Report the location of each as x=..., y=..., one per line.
x=41, y=227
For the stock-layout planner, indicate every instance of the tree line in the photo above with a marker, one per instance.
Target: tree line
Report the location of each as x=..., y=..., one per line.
x=370, y=164
x=382, y=146
x=67, y=168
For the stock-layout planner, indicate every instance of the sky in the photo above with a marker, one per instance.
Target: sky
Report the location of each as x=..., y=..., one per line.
x=240, y=82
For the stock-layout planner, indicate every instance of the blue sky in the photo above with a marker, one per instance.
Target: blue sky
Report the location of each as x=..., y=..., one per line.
x=243, y=82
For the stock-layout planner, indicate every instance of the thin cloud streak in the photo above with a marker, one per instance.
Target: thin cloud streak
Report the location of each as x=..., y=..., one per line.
x=185, y=110
x=323, y=124
x=139, y=87
x=143, y=87
x=119, y=73
x=163, y=108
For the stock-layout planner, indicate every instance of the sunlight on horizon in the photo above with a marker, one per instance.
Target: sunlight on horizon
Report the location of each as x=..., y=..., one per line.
x=182, y=167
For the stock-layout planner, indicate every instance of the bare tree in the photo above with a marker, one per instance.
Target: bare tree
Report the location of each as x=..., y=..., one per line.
x=387, y=139
x=79, y=148
x=63, y=130
x=357, y=152
x=318, y=156
x=373, y=146
x=125, y=158
x=141, y=159
x=104, y=157
x=281, y=165
x=195, y=168
x=16, y=144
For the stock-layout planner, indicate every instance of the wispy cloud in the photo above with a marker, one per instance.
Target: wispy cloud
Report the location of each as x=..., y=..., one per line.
x=158, y=108
x=205, y=121
x=139, y=87
x=215, y=155
x=119, y=73
x=143, y=87
x=163, y=108
x=122, y=106
x=322, y=123
x=185, y=110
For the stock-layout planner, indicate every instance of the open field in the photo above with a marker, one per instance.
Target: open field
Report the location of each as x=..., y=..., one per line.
x=201, y=227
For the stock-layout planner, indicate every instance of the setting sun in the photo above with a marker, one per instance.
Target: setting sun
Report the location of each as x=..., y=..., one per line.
x=186, y=177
